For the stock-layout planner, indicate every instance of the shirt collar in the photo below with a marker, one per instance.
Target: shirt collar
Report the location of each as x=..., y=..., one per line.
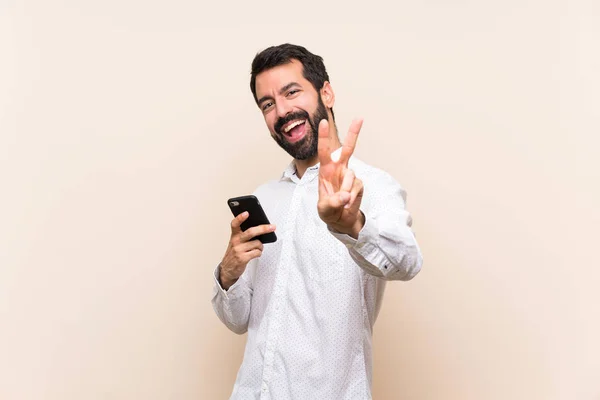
x=289, y=171
x=311, y=172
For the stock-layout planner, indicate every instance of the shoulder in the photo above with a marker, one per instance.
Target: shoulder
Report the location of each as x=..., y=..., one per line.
x=371, y=174
x=267, y=187
x=379, y=184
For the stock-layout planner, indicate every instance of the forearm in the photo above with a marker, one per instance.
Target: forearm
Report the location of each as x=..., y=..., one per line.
x=385, y=247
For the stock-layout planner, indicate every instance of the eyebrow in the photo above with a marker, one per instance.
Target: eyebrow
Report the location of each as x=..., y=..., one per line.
x=281, y=91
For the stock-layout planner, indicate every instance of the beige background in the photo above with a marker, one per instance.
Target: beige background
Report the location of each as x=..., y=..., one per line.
x=126, y=124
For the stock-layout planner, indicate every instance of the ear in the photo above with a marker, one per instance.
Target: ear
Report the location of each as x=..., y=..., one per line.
x=327, y=95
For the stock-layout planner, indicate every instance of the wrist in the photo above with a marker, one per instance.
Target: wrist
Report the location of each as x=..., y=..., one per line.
x=358, y=225
x=225, y=281
x=355, y=228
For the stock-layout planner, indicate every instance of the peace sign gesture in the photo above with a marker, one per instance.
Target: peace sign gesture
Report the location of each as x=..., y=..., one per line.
x=340, y=192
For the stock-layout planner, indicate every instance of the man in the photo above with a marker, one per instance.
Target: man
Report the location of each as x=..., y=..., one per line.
x=309, y=300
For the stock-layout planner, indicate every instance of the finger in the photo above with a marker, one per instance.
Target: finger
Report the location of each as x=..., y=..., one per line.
x=237, y=221
x=323, y=148
x=337, y=201
x=331, y=207
x=253, y=254
x=249, y=246
x=355, y=195
x=350, y=141
x=256, y=231
x=348, y=181
x=325, y=190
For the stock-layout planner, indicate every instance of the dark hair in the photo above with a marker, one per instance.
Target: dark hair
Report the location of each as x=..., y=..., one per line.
x=313, y=68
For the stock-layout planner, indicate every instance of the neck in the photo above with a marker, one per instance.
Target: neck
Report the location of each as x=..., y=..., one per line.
x=303, y=165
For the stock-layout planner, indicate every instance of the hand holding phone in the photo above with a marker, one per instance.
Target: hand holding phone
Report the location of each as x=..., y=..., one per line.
x=257, y=215
x=249, y=226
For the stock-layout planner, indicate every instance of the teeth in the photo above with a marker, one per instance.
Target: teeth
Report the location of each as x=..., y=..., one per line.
x=292, y=125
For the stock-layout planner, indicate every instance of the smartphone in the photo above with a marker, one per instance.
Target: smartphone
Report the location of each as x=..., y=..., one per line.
x=257, y=215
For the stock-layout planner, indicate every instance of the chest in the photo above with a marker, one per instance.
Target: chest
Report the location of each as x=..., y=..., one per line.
x=305, y=248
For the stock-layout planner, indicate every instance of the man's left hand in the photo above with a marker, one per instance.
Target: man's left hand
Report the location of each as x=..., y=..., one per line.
x=340, y=191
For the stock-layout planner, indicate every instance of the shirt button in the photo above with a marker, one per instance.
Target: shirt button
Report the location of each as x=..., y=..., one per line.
x=264, y=387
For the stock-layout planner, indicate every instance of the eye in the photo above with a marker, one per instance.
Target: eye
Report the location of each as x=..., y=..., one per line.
x=266, y=105
x=292, y=92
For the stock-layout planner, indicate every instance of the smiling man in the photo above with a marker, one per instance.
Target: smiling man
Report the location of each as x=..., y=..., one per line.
x=309, y=301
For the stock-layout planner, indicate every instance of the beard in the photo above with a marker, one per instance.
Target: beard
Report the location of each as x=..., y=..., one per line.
x=306, y=147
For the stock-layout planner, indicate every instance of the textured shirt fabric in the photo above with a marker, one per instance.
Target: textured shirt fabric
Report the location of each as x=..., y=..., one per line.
x=309, y=302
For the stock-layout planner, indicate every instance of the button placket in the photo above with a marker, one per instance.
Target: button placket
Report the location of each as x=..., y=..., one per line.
x=280, y=285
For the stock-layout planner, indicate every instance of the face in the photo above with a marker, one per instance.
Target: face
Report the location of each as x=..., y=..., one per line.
x=292, y=108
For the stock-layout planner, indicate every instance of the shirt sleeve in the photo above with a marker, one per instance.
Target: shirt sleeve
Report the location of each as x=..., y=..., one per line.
x=232, y=306
x=386, y=246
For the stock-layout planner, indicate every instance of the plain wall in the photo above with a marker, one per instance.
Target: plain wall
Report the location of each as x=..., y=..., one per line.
x=125, y=125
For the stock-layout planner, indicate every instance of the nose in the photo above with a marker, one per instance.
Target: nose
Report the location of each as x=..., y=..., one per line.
x=283, y=108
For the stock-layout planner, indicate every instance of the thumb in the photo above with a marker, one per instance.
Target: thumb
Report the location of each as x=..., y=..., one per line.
x=332, y=205
x=339, y=200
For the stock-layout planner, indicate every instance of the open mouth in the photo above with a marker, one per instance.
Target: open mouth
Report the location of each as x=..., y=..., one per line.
x=295, y=130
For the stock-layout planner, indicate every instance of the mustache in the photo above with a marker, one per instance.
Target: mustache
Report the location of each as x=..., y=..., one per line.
x=290, y=117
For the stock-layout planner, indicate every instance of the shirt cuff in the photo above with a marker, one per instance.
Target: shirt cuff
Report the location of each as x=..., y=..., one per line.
x=233, y=289
x=366, y=241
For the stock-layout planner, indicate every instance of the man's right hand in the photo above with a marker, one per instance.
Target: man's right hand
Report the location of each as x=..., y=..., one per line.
x=241, y=250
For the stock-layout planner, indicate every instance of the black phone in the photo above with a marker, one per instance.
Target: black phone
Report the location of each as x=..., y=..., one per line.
x=257, y=215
